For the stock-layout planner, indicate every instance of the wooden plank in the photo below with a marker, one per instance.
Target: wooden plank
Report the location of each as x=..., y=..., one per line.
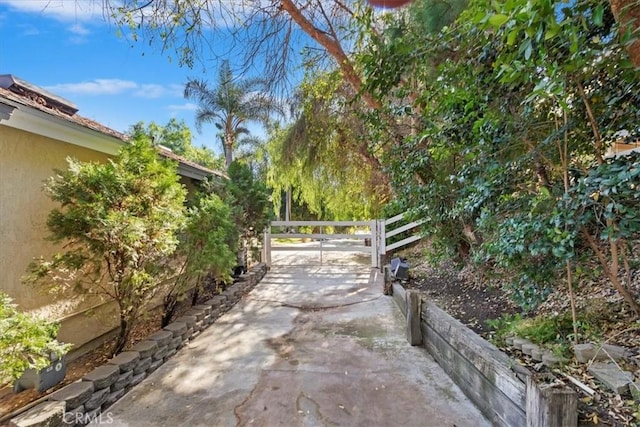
x=404, y=228
x=495, y=365
x=551, y=406
x=494, y=404
x=403, y=242
x=413, y=304
x=399, y=296
x=394, y=219
x=320, y=223
x=366, y=249
x=320, y=236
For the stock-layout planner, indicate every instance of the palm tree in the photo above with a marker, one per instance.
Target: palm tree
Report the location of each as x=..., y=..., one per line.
x=230, y=105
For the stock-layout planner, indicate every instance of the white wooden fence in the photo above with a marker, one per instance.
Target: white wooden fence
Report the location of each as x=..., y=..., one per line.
x=373, y=234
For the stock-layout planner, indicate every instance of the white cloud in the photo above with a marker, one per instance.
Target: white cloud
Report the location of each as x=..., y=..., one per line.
x=63, y=10
x=29, y=30
x=176, y=90
x=79, y=29
x=98, y=87
x=95, y=87
x=183, y=107
x=151, y=91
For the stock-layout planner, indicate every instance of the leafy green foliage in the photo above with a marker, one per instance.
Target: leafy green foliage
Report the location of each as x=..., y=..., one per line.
x=249, y=198
x=176, y=136
x=26, y=341
x=208, y=247
x=321, y=157
x=117, y=221
x=605, y=200
x=511, y=105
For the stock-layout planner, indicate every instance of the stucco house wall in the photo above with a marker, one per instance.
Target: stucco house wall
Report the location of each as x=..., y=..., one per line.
x=35, y=139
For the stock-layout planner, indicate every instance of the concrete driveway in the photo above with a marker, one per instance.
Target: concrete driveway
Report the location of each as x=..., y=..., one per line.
x=309, y=346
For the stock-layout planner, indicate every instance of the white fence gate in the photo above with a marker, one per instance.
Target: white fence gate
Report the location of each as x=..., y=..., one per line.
x=370, y=237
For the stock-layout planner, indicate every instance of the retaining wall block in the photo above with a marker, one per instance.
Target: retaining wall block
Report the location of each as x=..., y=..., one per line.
x=146, y=348
x=190, y=321
x=529, y=348
x=123, y=381
x=126, y=360
x=536, y=354
x=75, y=394
x=45, y=414
x=113, y=398
x=612, y=377
x=155, y=364
x=214, y=315
x=586, y=352
x=161, y=337
x=75, y=416
x=97, y=399
x=518, y=342
x=137, y=379
x=175, y=344
x=217, y=301
x=90, y=416
x=203, y=307
x=197, y=314
x=176, y=328
x=161, y=353
x=103, y=376
x=170, y=353
x=142, y=366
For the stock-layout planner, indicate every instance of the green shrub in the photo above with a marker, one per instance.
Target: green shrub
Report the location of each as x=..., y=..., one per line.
x=25, y=341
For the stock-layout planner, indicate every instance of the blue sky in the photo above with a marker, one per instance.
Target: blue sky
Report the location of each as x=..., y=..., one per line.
x=66, y=47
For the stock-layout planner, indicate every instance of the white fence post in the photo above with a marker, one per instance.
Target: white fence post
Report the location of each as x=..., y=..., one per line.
x=266, y=245
x=373, y=231
x=383, y=237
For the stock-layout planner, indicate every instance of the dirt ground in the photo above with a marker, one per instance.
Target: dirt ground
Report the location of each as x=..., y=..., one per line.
x=463, y=298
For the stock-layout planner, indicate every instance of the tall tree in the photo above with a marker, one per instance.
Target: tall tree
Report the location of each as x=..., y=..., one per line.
x=323, y=157
x=230, y=105
x=176, y=136
x=118, y=221
x=627, y=14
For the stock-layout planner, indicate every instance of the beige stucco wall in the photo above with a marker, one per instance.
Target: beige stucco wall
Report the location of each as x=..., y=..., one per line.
x=26, y=161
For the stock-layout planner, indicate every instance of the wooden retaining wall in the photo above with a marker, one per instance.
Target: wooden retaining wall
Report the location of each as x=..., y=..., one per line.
x=495, y=383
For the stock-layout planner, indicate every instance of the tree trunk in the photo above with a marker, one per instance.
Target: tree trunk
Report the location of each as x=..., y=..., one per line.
x=627, y=14
x=228, y=152
x=196, y=294
x=169, y=307
x=611, y=273
x=123, y=335
x=334, y=48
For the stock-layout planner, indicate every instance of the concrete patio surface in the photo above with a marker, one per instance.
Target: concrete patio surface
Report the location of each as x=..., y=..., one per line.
x=309, y=346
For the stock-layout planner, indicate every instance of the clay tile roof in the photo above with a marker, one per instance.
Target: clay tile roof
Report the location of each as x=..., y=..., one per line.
x=77, y=119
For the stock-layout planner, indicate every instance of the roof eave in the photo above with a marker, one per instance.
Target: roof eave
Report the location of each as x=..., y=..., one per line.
x=38, y=122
